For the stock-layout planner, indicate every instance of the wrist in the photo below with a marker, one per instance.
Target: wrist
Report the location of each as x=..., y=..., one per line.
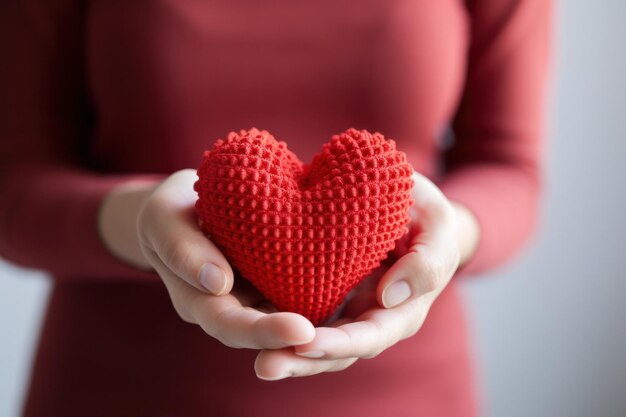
x=468, y=232
x=117, y=221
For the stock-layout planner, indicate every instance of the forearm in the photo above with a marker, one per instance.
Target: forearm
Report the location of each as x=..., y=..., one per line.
x=505, y=201
x=48, y=221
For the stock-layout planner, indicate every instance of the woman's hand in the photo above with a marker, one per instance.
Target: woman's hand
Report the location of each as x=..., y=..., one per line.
x=392, y=304
x=153, y=226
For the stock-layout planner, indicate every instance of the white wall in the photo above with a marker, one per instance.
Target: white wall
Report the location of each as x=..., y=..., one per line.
x=550, y=330
x=23, y=296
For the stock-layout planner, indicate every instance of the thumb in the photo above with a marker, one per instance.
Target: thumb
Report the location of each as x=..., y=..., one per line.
x=432, y=254
x=169, y=233
x=197, y=260
x=419, y=272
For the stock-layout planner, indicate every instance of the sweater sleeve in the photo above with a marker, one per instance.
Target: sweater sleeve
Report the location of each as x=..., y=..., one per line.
x=49, y=197
x=495, y=165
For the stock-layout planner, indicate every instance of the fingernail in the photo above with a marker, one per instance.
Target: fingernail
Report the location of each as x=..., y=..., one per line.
x=396, y=293
x=213, y=278
x=312, y=354
x=276, y=378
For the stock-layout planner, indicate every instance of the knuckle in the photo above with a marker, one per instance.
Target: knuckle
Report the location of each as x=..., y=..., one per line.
x=373, y=354
x=218, y=327
x=228, y=343
x=344, y=365
x=175, y=254
x=433, y=272
x=382, y=338
x=418, y=315
x=182, y=310
x=412, y=330
x=218, y=334
x=429, y=281
x=185, y=316
x=337, y=365
x=349, y=363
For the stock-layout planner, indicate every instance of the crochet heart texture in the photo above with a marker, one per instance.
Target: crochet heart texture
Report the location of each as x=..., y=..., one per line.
x=304, y=235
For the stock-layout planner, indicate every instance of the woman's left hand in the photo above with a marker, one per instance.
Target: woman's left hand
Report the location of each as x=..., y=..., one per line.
x=392, y=304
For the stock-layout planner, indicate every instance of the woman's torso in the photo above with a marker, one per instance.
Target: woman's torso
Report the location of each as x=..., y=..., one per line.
x=165, y=79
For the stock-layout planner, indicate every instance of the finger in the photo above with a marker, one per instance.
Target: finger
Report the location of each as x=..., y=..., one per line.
x=234, y=324
x=432, y=255
x=424, y=270
x=245, y=327
x=168, y=225
x=367, y=337
x=430, y=206
x=273, y=365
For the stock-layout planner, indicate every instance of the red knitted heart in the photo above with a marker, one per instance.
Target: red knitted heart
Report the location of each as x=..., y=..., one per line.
x=304, y=235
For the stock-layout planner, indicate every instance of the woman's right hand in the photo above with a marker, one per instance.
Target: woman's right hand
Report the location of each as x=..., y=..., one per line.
x=154, y=225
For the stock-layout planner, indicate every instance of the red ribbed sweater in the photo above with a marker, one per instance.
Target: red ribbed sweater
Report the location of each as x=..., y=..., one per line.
x=94, y=93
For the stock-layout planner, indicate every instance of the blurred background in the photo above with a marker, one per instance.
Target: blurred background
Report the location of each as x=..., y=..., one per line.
x=550, y=331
